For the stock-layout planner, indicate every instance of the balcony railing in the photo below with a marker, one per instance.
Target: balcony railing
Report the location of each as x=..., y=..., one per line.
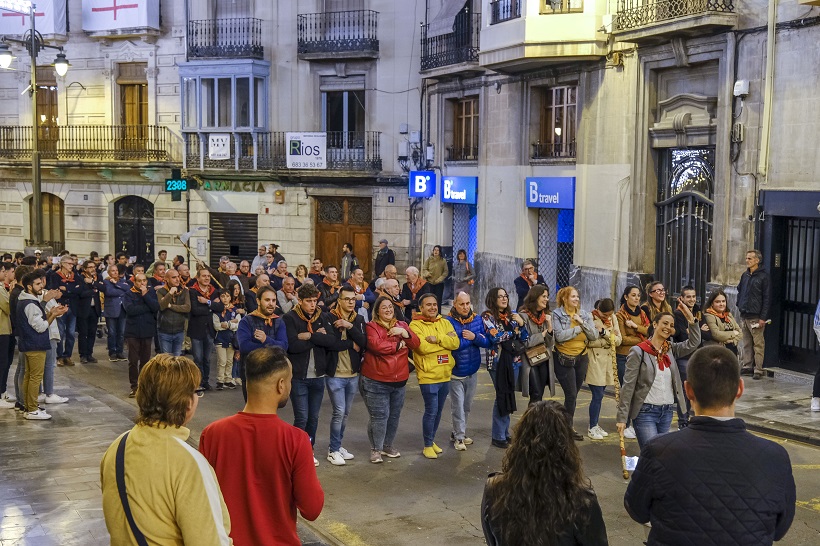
x=459, y=46
x=550, y=150
x=504, y=10
x=88, y=143
x=339, y=32
x=236, y=38
x=462, y=153
x=357, y=151
x=638, y=13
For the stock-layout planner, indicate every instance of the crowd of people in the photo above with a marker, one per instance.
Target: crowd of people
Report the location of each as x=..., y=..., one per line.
x=291, y=337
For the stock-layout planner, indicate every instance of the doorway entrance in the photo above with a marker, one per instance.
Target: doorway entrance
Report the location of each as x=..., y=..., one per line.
x=134, y=228
x=53, y=212
x=341, y=220
x=233, y=235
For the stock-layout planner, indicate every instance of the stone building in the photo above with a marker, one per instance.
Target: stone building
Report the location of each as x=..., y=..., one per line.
x=685, y=130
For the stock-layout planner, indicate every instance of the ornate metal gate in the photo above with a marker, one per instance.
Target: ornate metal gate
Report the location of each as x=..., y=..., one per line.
x=556, y=246
x=134, y=228
x=465, y=226
x=684, y=218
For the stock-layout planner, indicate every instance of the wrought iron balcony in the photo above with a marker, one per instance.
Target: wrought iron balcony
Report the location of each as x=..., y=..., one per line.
x=339, y=34
x=235, y=38
x=462, y=153
x=102, y=143
x=459, y=46
x=553, y=150
x=635, y=16
x=357, y=151
x=504, y=10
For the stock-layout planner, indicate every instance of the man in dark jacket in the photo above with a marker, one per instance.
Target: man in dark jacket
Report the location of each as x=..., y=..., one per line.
x=141, y=306
x=174, y=307
x=262, y=327
x=754, y=303
x=343, y=381
x=311, y=344
x=528, y=278
x=89, y=311
x=204, y=302
x=115, y=289
x=689, y=297
x=70, y=285
x=384, y=257
x=683, y=485
x=470, y=331
x=329, y=289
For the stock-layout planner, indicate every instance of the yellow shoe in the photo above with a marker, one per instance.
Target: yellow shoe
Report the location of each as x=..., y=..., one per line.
x=437, y=449
x=430, y=453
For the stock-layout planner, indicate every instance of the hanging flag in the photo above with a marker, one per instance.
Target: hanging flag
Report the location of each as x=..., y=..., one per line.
x=185, y=237
x=102, y=15
x=49, y=18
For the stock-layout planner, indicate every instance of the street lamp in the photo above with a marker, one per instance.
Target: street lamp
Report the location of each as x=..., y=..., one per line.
x=33, y=42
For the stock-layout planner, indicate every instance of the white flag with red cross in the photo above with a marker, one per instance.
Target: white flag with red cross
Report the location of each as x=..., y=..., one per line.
x=49, y=18
x=120, y=14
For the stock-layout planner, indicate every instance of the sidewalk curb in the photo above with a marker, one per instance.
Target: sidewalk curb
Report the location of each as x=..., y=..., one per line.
x=321, y=533
x=781, y=430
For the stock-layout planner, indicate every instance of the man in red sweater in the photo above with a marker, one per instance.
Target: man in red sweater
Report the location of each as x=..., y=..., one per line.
x=264, y=465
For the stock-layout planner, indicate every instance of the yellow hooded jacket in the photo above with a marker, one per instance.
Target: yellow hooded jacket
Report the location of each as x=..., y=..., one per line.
x=434, y=362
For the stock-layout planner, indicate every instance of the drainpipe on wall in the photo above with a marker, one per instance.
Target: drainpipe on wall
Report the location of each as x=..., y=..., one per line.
x=768, y=95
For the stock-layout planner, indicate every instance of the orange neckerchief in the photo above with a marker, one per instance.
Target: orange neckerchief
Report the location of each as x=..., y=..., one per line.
x=309, y=320
x=386, y=325
x=204, y=294
x=333, y=286
x=607, y=321
x=724, y=316
x=663, y=355
x=529, y=282
x=267, y=319
x=419, y=283
x=419, y=316
x=66, y=279
x=136, y=290
x=356, y=288
x=227, y=309
x=462, y=320
x=338, y=313
x=159, y=279
x=539, y=320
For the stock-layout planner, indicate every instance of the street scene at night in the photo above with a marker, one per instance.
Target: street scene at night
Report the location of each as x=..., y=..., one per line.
x=365, y=272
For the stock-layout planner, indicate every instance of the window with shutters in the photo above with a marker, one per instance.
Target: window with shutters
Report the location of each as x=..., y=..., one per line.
x=464, y=145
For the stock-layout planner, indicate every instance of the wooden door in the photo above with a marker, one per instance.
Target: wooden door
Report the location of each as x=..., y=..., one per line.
x=341, y=220
x=134, y=102
x=134, y=228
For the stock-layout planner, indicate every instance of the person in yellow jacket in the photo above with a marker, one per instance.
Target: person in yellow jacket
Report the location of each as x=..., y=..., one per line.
x=434, y=364
x=172, y=492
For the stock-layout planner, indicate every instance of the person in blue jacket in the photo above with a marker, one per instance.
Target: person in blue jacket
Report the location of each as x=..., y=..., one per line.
x=470, y=331
x=262, y=328
x=115, y=289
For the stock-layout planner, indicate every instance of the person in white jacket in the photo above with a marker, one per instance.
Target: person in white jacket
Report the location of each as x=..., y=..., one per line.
x=225, y=324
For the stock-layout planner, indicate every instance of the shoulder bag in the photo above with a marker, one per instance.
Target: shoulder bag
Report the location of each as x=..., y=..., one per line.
x=537, y=355
x=120, y=471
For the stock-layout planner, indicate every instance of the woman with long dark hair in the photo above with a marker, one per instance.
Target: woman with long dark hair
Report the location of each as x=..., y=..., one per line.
x=435, y=272
x=504, y=328
x=542, y=497
x=655, y=302
x=535, y=376
x=720, y=322
x=237, y=298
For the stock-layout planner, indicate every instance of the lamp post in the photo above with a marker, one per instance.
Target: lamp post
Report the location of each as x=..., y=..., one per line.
x=33, y=42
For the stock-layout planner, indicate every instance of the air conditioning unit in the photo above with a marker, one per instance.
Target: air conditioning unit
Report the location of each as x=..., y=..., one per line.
x=403, y=149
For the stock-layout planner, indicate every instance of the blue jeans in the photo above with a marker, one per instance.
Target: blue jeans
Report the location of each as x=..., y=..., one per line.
x=171, y=343
x=462, y=392
x=67, y=325
x=306, y=396
x=501, y=425
x=435, y=396
x=384, y=403
x=201, y=350
x=341, y=391
x=652, y=421
x=116, y=334
x=595, y=404
x=48, y=372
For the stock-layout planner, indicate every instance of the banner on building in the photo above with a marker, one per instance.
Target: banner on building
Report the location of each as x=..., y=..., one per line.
x=49, y=18
x=219, y=146
x=460, y=190
x=422, y=184
x=101, y=15
x=556, y=192
x=306, y=150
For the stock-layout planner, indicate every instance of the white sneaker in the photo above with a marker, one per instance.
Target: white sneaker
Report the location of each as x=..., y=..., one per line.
x=41, y=398
x=6, y=405
x=315, y=461
x=39, y=415
x=55, y=399
x=815, y=404
x=346, y=455
x=8, y=398
x=593, y=433
x=335, y=459
x=599, y=430
x=237, y=381
x=630, y=433
x=459, y=445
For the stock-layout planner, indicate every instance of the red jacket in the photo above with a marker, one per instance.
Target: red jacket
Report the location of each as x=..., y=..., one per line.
x=383, y=360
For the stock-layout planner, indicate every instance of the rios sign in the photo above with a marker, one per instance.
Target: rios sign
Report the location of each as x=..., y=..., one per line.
x=306, y=150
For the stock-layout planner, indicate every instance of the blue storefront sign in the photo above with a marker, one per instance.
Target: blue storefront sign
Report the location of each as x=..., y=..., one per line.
x=460, y=190
x=551, y=192
x=422, y=183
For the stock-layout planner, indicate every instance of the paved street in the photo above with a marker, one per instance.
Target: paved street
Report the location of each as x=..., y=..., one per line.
x=49, y=493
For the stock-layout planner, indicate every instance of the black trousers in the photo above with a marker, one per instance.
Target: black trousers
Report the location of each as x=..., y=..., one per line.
x=139, y=353
x=87, y=334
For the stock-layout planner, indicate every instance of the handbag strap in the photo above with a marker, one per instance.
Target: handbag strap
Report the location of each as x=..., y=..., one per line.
x=120, y=470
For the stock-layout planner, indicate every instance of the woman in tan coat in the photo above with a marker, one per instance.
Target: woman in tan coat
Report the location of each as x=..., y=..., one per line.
x=601, y=357
x=722, y=325
x=435, y=272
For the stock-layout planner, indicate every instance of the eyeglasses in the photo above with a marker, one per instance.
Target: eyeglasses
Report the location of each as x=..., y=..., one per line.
x=200, y=392
x=348, y=299
x=659, y=290
x=503, y=297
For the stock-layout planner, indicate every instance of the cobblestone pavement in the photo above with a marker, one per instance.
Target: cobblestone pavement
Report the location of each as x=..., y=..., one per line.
x=49, y=471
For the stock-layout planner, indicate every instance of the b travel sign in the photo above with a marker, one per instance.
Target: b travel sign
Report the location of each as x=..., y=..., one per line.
x=422, y=183
x=460, y=190
x=306, y=150
x=551, y=193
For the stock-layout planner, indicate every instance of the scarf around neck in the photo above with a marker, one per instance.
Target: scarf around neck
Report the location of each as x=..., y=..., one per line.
x=69, y=278
x=333, y=285
x=539, y=319
x=386, y=325
x=463, y=320
x=662, y=355
x=205, y=294
x=309, y=320
x=268, y=320
x=724, y=316
x=419, y=316
x=529, y=282
x=337, y=312
x=419, y=284
x=607, y=321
